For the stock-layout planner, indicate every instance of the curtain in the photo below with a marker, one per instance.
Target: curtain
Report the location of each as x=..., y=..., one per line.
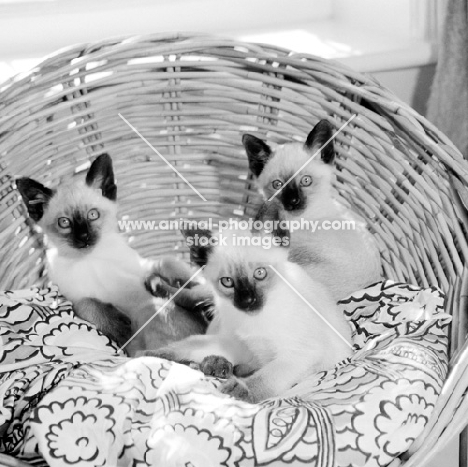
x=448, y=101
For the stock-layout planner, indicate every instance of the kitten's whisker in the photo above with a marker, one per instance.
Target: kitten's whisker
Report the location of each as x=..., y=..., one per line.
x=312, y=307
x=162, y=157
x=312, y=157
x=162, y=308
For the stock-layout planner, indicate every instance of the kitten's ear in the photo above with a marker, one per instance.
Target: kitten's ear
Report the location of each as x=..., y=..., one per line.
x=101, y=176
x=35, y=195
x=320, y=134
x=198, y=241
x=258, y=153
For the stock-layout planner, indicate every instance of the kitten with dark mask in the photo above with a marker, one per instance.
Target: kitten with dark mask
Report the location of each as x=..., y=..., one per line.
x=260, y=324
x=97, y=270
x=343, y=260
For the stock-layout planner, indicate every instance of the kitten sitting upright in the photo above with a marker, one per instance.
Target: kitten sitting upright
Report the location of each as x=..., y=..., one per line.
x=344, y=260
x=95, y=268
x=260, y=322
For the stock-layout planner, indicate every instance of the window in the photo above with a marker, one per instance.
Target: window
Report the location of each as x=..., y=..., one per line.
x=369, y=35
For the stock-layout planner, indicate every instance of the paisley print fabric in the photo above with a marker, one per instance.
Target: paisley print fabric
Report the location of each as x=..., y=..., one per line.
x=68, y=398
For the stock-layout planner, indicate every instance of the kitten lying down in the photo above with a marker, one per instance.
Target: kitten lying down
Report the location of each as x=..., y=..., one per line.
x=96, y=269
x=269, y=316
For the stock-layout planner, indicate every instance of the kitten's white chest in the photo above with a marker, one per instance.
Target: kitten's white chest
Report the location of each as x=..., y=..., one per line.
x=112, y=272
x=256, y=331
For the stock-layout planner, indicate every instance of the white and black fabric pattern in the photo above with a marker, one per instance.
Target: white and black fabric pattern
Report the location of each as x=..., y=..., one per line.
x=68, y=397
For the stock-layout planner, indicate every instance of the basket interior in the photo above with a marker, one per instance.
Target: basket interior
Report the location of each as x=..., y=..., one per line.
x=192, y=98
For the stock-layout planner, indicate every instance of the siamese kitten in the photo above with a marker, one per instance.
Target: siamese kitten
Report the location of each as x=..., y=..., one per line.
x=259, y=322
x=343, y=260
x=97, y=270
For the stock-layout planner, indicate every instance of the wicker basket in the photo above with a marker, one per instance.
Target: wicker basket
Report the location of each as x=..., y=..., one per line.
x=192, y=97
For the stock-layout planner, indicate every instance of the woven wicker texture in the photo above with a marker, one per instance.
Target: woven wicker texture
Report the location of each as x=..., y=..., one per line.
x=191, y=98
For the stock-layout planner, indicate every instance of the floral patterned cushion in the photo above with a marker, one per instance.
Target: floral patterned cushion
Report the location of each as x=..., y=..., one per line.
x=66, y=396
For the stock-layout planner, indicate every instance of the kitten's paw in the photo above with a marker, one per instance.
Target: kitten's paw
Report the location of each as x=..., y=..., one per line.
x=158, y=287
x=217, y=366
x=205, y=308
x=236, y=388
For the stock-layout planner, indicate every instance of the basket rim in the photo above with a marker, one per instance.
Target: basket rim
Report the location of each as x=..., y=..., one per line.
x=101, y=49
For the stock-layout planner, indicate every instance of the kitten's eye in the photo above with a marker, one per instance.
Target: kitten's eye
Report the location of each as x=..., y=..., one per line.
x=63, y=222
x=226, y=282
x=260, y=274
x=277, y=184
x=93, y=214
x=306, y=180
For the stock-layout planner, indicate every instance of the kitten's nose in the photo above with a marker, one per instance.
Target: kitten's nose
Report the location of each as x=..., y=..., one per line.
x=83, y=236
x=248, y=299
x=292, y=197
x=246, y=295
